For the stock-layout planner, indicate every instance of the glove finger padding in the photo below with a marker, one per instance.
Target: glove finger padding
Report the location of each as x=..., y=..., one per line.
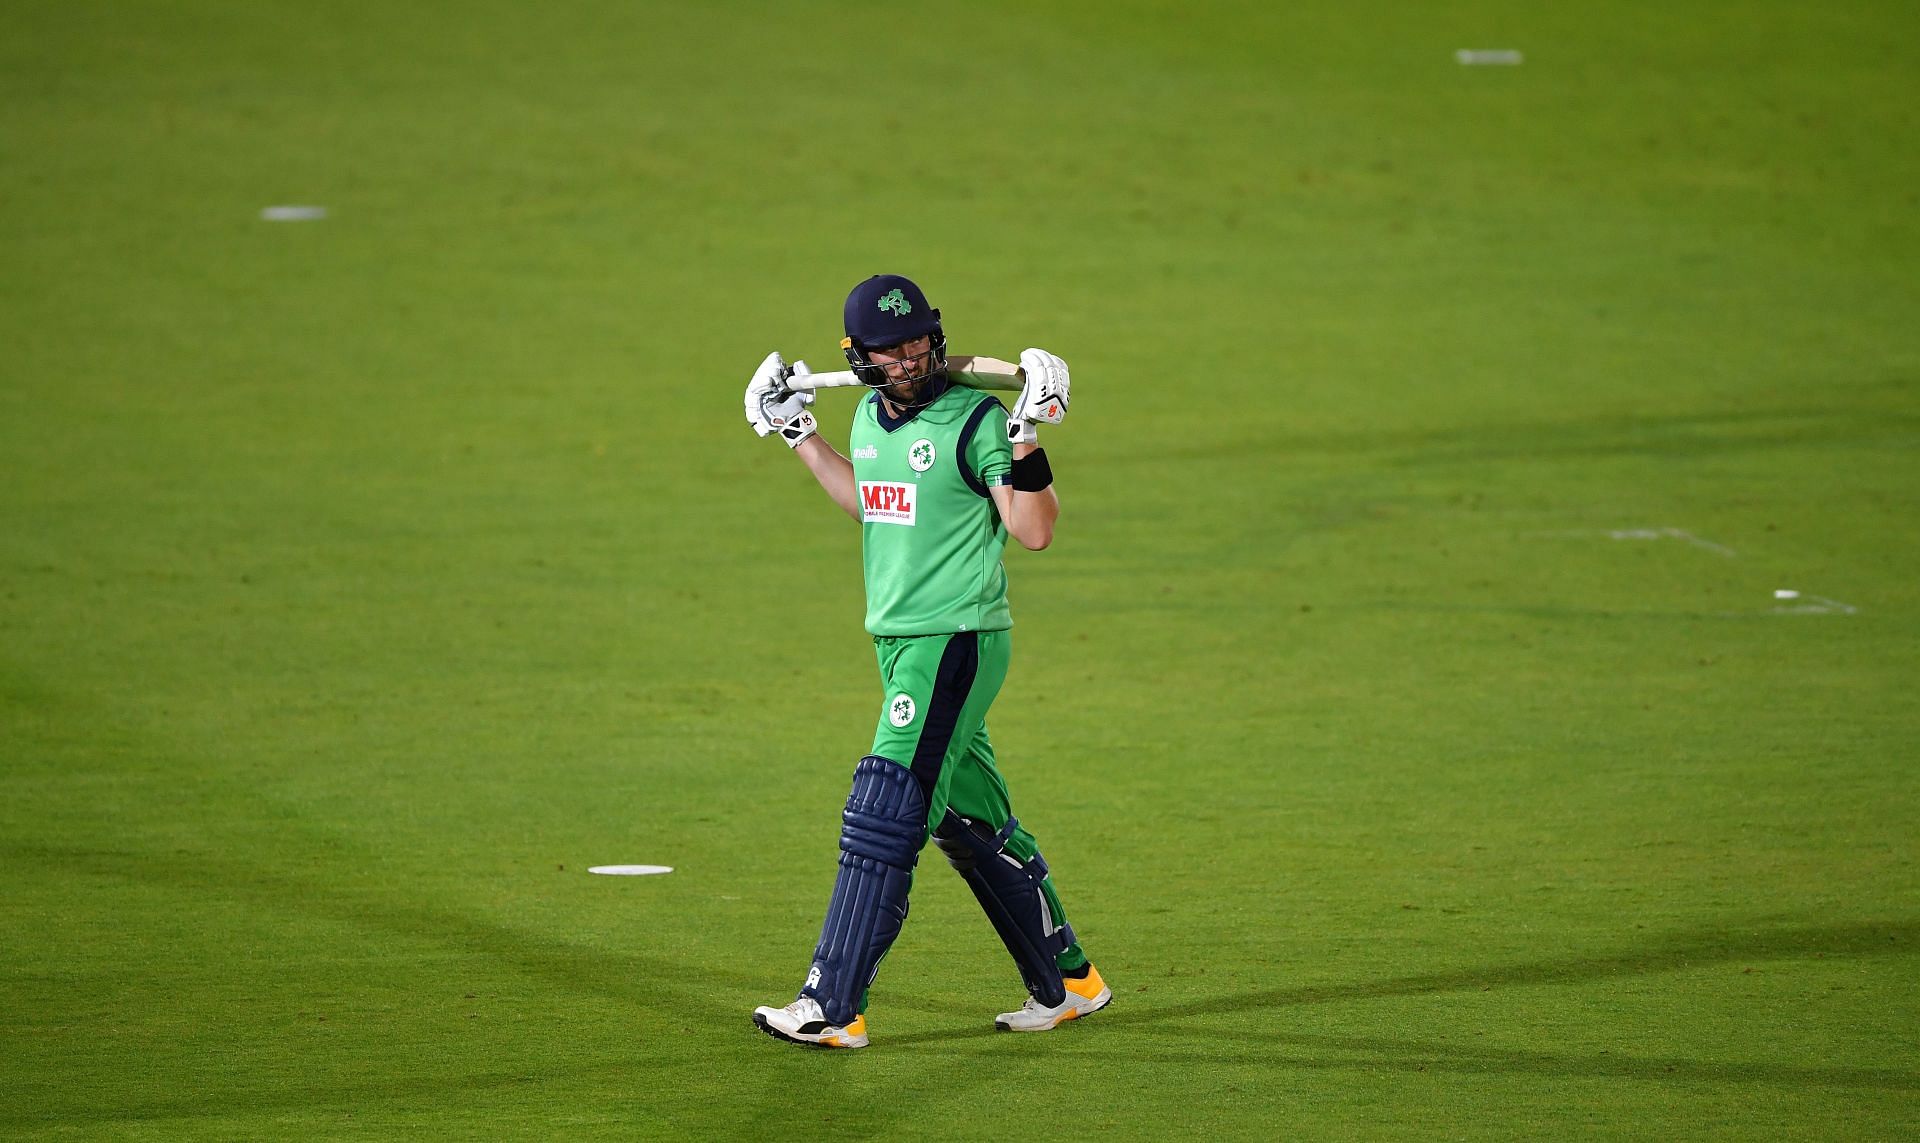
x=767, y=382
x=1047, y=392
x=1043, y=396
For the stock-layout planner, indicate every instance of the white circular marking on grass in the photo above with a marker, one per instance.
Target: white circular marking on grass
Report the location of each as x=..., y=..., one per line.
x=1785, y=593
x=1488, y=57
x=629, y=870
x=293, y=213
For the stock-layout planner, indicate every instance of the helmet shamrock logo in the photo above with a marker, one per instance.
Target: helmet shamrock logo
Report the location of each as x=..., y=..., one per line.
x=896, y=303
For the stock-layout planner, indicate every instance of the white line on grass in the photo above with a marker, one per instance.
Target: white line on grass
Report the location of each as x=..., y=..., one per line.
x=1487, y=57
x=293, y=213
x=1812, y=604
x=1799, y=603
x=1652, y=534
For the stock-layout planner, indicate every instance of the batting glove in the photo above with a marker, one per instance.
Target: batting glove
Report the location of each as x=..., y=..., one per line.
x=1043, y=399
x=786, y=410
x=766, y=380
x=772, y=406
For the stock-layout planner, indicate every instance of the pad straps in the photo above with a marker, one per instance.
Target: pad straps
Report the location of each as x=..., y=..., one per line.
x=1010, y=893
x=882, y=830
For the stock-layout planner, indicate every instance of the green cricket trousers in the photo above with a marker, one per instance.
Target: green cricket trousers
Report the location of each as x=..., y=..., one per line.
x=937, y=689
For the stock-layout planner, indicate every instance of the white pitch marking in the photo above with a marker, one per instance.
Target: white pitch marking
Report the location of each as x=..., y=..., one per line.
x=629, y=870
x=1667, y=534
x=1709, y=545
x=1487, y=57
x=293, y=213
x=1804, y=604
x=1815, y=605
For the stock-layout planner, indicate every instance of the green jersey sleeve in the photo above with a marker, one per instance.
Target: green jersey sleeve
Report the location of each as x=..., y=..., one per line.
x=989, y=455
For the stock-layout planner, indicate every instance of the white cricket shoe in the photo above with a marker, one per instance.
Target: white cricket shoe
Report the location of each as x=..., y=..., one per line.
x=802, y=1022
x=1085, y=996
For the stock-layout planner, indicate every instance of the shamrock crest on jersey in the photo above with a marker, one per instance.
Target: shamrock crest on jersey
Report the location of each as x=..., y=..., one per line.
x=931, y=539
x=895, y=303
x=900, y=713
x=920, y=455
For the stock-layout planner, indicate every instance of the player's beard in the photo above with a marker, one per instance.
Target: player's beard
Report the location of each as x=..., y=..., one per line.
x=906, y=393
x=919, y=391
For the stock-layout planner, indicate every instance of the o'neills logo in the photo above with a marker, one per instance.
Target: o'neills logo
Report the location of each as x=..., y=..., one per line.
x=882, y=502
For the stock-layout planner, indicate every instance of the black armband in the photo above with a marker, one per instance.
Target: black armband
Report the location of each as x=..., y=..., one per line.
x=1031, y=473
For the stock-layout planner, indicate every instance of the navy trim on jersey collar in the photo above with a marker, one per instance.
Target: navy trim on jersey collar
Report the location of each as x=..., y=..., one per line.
x=890, y=423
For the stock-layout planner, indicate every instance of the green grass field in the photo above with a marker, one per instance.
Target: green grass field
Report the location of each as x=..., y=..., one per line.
x=1419, y=744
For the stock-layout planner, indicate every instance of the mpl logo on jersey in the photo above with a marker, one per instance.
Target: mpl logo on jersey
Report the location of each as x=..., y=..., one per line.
x=885, y=502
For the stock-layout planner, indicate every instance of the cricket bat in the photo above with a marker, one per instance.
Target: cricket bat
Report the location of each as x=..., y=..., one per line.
x=973, y=372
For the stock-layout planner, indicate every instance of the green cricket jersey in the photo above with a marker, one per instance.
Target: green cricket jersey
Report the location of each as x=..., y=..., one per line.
x=931, y=538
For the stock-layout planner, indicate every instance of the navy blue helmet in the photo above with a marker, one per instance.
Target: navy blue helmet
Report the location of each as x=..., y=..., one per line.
x=888, y=310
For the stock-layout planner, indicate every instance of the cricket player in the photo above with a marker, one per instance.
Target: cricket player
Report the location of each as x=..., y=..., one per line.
x=940, y=476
